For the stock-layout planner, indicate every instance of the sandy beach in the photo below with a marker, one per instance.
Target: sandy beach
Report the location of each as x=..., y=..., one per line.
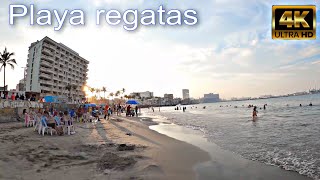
x=124, y=148
x=94, y=153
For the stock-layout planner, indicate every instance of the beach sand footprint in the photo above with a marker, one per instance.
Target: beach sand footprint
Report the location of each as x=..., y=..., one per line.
x=112, y=161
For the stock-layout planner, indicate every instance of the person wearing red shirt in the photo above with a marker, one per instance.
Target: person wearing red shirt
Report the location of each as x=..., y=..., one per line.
x=106, y=111
x=13, y=97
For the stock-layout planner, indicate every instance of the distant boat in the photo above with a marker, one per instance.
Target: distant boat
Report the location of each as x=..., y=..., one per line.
x=314, y=91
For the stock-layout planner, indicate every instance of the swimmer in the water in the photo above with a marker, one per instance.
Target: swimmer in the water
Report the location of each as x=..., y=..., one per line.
x=254, y=113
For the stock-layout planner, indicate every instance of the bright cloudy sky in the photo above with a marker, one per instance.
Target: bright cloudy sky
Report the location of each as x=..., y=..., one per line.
x=230, y=51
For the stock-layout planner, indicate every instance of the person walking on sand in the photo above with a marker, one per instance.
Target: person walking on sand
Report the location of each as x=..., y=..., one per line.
x=136, y=109
x=109, y=113
x=106, y=109
x=254, y=113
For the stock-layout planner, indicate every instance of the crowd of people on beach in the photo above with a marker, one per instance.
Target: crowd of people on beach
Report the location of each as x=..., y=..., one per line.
x=60, y=122
x=20, y=97
x=46, y=121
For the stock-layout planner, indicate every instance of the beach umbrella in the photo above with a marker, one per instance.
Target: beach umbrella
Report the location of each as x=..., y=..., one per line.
x=132, y=102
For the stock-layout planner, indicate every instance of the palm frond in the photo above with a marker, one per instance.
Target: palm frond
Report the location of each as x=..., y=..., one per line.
x=12, y=61
x=11, y=65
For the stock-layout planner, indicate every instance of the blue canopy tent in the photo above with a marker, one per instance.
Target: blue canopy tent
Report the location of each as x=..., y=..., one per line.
x=132, y=102
x=51, y=99
x=90, y=105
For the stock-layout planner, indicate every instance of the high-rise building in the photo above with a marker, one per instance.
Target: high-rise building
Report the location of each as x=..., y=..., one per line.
x=54, y=69
x=185, y=94
x=21, y=85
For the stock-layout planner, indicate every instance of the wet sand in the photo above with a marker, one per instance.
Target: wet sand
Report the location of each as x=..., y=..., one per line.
x=93, y=153
x=225, y=165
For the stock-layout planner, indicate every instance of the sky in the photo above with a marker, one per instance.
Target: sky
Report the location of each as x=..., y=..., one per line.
x=230, y=51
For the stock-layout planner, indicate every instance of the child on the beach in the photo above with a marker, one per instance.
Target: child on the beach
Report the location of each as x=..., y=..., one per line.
x=26, y=117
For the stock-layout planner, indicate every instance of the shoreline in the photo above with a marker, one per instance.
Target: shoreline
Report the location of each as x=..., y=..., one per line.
x=225, y=164
x=93, y=153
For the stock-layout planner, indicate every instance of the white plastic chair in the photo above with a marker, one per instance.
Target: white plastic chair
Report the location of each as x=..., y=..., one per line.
x=70, y=127
x=46, y=128
x=57, y=119
x=32, y=121
x=37, y=123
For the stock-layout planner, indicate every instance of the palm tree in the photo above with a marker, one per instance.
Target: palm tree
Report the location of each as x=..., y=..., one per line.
x=98, y=92
x=5, y=59
x=117, y=93
x=111, y=94
x=104, y=90
x=92, y=90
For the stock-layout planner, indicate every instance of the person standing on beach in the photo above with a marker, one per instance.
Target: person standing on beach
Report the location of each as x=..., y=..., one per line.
x=13, y=97
x=136, y=109
x=128, y=110
x=22, y=97
x=17, y=97
x=254, y=113
x=119, y=110
x=106, y=109
x=109, y=112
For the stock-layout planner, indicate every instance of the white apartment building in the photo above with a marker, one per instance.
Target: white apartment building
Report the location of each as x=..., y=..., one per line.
x=52, y=67
x=185, y=94
x=144, y=95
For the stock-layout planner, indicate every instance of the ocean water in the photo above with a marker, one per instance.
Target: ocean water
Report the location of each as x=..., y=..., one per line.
x=284, y=135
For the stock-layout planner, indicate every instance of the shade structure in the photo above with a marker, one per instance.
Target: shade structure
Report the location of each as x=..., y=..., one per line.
x=51, y=99
x=132, y=102
x=90, y=105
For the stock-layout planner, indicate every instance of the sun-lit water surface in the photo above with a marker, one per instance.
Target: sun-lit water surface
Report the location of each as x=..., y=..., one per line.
x=285, y=134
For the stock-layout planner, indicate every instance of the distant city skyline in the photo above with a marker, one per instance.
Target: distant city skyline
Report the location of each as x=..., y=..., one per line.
x=229, y=52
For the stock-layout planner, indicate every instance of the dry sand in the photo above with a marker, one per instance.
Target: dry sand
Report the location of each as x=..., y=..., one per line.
x=93, y=153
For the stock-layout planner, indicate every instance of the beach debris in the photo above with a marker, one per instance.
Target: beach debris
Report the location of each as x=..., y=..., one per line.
x=125, y=147
x=112, y=161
